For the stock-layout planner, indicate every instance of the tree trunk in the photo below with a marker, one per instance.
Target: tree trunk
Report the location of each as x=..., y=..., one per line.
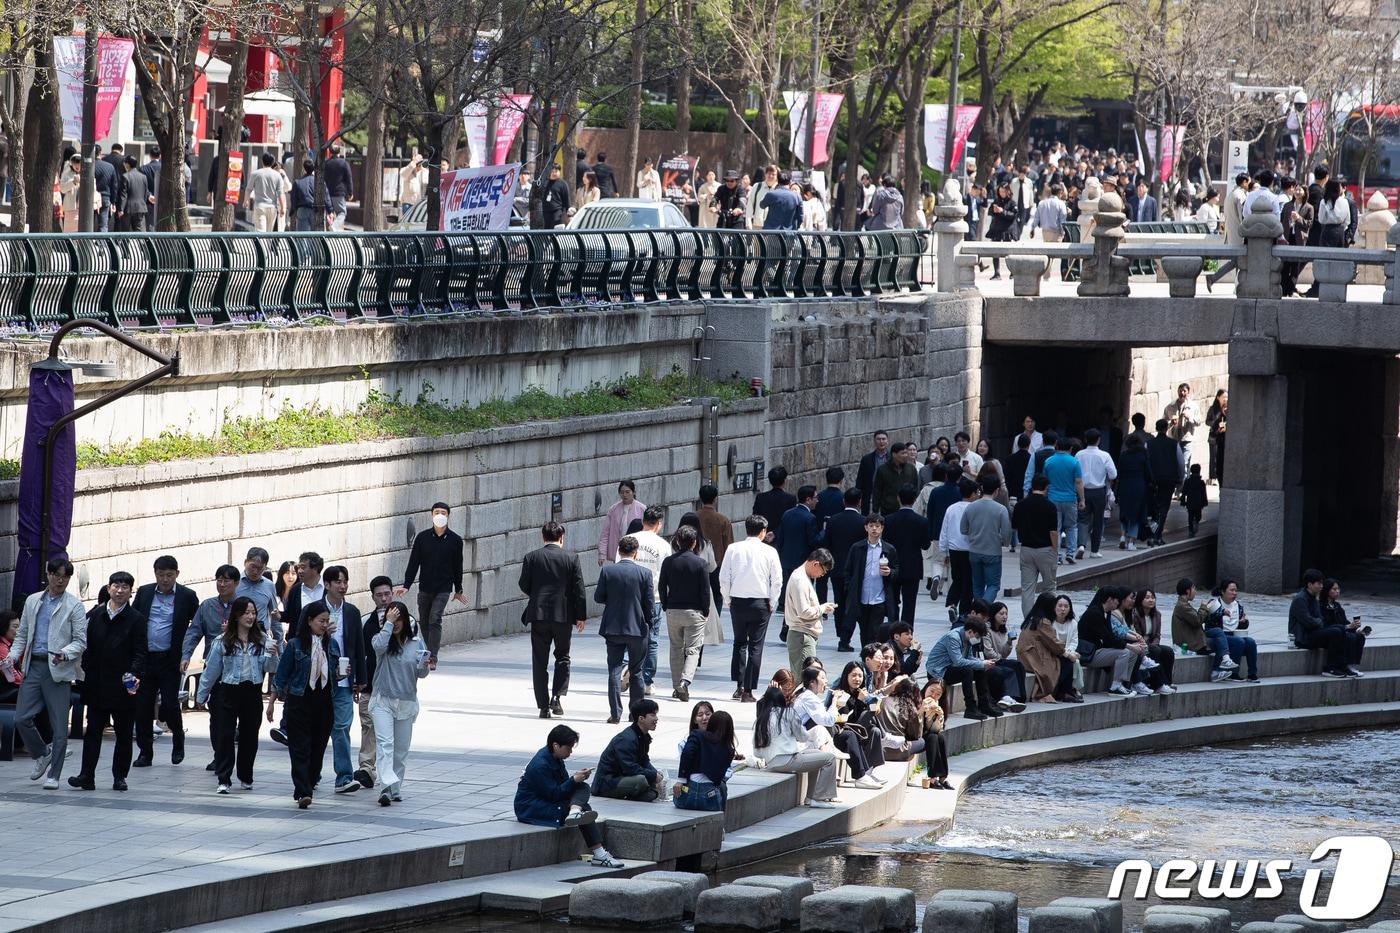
x=44, y=126
x=631, y=159
x=231, y=133
x=736, y=141
x=683, y=27
x=372, y=196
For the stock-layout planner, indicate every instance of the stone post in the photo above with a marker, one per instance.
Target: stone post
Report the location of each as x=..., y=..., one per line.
x=1025, y=274
x=948, y=230
x=1105, y=272
x=1182, y=272
x=1088, y=207
x=1259, y=270
x=1392, y=268
x=1332, y=277
x=1375, y=225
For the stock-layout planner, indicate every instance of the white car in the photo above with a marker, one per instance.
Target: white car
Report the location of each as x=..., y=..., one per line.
x=627, y=214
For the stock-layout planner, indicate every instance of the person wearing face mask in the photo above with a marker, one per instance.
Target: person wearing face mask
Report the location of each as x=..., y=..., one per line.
x=437, y=552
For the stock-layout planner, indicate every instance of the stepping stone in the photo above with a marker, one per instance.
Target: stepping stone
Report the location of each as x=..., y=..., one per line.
x=618, y=902
x=738, y=907
x=1059, y=919
x=1218, y=916
x=692, y=883
x=1109, y=912
x=793, y=891
x=1311, y=925
x=1005, y=905
x=900, y=911
x=841, y=910
x=953, y=916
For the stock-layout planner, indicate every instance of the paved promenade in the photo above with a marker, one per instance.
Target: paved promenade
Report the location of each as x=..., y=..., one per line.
x=477, y=729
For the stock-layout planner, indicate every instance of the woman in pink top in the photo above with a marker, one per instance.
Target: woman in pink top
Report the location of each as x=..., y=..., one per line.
x=623, y=511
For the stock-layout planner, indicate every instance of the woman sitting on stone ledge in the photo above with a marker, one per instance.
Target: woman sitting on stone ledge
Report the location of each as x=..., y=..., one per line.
x=1044, y=655
x=1066, y=628
x=912, y=725
x=707, y=760
x=1147, y=622
x=780, y=739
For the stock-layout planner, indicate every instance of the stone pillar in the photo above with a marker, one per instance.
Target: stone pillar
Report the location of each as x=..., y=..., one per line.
x=1371, y=233
x=1088, y=207
x=1025, y=274
x=948, y=231
x=1261, y=501
x=1106, y=273
x=1332, y=277
x=1182, y=272
x=1260, y=270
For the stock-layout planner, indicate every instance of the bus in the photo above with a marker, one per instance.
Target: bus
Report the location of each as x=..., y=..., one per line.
x=1379, y=157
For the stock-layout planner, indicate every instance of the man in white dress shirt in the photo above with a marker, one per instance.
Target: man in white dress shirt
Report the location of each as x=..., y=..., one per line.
x=750, y=580
x=1099, y=471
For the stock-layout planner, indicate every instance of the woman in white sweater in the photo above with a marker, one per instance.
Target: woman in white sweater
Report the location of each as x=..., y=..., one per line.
x=1067, y=634
x=401, y=660
x=781, y=741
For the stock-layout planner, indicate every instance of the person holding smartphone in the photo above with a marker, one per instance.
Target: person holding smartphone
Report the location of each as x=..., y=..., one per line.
x=401, y=660
x=1334, y=616
x=548, y=795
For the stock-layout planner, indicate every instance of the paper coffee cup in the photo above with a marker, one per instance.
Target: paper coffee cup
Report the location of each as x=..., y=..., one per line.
x=343, y=667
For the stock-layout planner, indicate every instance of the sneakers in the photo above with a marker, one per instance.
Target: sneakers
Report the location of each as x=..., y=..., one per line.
x=1228, y=663
x=363, y=779
x=1095, y=555
x=1218, y=675
x=1069, y=559
x=1119, y=690
x=246, y=785
x=1011, y=704
x=605, y=859
x=647, y=692
x=1166, y=690
x=868, y=782
x=822, y=804
x=578, y=816
x=51, y=784
x=41, y=764
x=1079, y=553
x=349, y=787
x=1142, y=689
x=223, y=789
x=1132, y=545
x=1354, y=671
x=1335, y=672
x=1148, y=664
x=278, y=736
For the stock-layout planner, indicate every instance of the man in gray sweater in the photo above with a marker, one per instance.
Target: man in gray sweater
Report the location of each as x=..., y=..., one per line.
x=987, y=526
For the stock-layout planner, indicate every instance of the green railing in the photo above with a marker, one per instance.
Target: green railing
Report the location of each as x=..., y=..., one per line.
x=167, y=280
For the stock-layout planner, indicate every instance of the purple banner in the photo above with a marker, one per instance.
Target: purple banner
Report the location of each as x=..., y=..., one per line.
x=50, y=398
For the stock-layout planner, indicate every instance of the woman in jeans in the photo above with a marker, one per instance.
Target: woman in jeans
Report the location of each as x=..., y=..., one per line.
x=780, y=739
x=707, y=760
x=1146, y=620
x=305, y=679
x=400, y=661
x=238, y=662
x=1234, y=621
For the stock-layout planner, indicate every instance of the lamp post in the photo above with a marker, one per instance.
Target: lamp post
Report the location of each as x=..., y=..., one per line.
x=954, y=64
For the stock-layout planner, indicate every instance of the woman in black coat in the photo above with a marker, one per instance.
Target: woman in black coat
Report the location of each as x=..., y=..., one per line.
x=1134, y=480
x=1002, y=227
x=113, y=664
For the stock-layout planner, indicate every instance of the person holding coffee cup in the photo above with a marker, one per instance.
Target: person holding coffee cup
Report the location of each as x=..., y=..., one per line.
x=305, y=681
x=401, y=660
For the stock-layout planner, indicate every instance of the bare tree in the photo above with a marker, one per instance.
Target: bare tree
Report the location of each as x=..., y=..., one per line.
x=26, y=42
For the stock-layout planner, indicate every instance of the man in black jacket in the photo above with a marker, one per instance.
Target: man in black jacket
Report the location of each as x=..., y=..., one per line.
x=552, y=579
x=908, y=533
x=116, y=647
x=872, y=569
x=438, y=552
x=684, y=591
x=152, y=172
x=104, y=179
x=347, y=630
x=774, y=503
x=553, y=198
x=1165, y=457
x=168, y=608
x=340, y=186
x=607, y=184
x=624, y=589
x=869, y=464
x=843, y=531
x=624, y=768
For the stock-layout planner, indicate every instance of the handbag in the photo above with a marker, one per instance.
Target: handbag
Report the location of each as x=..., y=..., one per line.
x=699, y=796
x=1085, y=650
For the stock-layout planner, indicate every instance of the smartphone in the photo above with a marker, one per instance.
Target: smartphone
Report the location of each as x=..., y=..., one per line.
x=1356, y=618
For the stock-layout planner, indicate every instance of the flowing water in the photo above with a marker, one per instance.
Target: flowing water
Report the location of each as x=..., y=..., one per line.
x=1059, y=830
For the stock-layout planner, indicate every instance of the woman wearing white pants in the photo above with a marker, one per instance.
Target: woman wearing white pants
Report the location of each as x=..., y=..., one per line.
x=401, y=660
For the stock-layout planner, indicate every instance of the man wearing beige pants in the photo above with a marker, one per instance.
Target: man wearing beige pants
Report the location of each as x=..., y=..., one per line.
x=266, y=198
x=1035, y=522
x=684, y=591
x=1050, y=216
x=381, y=590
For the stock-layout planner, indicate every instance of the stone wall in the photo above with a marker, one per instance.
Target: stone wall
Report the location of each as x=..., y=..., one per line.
x=360, y=505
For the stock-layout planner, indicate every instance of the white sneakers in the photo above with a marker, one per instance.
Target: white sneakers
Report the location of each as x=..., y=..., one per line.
x=1228, y=663
x=1079, y=554
x=605, y=859
x=1095, y=555
x=868, y=781
x=816, y=804
x=1011, y=704
x=1142, y=689
x=224, y=788
x=1217, y=676
x=1148, y=664
x=1166, y=690
x=41, y=764
x=1119, y=690
x=1132, y=545
x=51, y=784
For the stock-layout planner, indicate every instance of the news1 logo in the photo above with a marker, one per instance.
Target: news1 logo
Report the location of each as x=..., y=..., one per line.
x=1358, y=881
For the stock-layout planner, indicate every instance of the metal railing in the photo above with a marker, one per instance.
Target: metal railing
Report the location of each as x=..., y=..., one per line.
x=167, y=280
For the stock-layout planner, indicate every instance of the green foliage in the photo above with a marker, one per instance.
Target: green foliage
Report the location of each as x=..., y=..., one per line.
x=382, y=417
x=9, y=469
x=703, y=118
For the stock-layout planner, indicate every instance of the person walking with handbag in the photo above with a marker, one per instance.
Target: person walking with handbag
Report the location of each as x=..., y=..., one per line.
x=401, y=660
x=238, y=661
x=305, y=680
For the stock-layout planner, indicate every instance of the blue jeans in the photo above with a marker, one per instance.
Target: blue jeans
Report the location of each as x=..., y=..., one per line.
x=1246, y=647
x=1220, y=644
x=986, y=575
x=343, y=707
x=1068, y=514
x=649, y=666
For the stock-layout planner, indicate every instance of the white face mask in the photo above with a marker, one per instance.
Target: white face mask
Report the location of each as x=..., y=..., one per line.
x=439, y=521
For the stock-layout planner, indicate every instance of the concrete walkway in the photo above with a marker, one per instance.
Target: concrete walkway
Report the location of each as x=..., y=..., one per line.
x=477, y=729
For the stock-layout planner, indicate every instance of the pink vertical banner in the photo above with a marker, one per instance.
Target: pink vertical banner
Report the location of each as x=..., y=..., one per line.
x=1171, y=152
x=828, y=106
x=1313, y=124
x=509, y=116
x=113, y=56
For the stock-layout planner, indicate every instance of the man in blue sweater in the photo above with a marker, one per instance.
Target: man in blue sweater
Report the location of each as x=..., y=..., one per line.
x=957, y=658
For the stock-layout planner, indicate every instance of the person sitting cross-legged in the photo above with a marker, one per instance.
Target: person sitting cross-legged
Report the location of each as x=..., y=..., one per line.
x=624, y=769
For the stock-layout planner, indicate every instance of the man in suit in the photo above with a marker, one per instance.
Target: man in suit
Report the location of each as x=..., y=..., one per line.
x=116, y=646
x=872, y=567
x=625, y=591
x=607, y=182
x=843, y=531
x=718, y=530
x=134, y=198
x=117, y=158
x=105, y=177
x=168, y=609
x=553, y=581
x=908, y=533
x=797, y=537
x=151, y=170
x=869, y=464
x=309, y=588
x=830, y=501
x=49, y=650
x=347, y=629
x=1142, y=206
x=774, y=503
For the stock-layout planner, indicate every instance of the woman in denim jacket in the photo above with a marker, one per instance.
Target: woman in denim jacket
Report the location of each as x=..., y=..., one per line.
x=305, y=677
x=401, y=660
x=239, y=660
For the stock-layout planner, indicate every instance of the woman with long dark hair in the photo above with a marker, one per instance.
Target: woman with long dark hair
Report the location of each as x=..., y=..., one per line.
x=1003, y=226
x=1333, y=216
x=1042, y=653
x=305, y=680
x=401, y=660
x=707, y=760
x=238, y=662
x=780, y=740
x=1146, y=620
x=907, y=731
x=1217, y=418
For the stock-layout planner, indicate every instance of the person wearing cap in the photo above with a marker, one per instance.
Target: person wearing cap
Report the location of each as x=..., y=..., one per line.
x=729, y=203
x=437, y=551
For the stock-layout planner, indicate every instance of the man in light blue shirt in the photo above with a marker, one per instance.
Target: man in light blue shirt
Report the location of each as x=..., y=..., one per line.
x=261, y=591
x=871, y=566
x=1066, y=492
